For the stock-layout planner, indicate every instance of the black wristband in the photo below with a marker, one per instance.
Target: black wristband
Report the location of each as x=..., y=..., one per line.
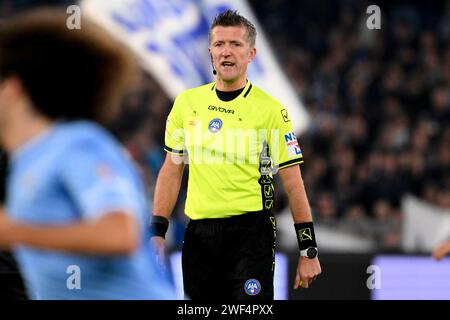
x=159, y=226
x=305, y=235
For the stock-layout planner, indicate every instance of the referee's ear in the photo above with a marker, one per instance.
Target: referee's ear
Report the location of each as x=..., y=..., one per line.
x=251, y=54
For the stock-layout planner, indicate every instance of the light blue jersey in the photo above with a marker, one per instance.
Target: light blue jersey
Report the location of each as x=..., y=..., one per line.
x=74, y=172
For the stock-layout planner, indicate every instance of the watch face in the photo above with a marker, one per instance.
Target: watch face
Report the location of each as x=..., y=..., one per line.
x=311, y=252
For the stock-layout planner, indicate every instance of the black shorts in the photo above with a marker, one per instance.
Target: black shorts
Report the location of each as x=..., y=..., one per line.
x=230, y=258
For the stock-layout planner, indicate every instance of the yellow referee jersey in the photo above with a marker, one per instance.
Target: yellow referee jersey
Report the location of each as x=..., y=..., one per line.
x=233, y=148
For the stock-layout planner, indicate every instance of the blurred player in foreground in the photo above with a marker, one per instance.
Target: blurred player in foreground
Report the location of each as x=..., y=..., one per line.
x=11, y=282
x=76, y=210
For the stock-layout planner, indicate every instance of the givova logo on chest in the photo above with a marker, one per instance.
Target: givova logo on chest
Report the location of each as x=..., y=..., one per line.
x=221, y=109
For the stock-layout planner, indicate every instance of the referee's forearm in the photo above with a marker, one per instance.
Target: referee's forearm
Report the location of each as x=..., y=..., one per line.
x=298, y=202
x=167, y=188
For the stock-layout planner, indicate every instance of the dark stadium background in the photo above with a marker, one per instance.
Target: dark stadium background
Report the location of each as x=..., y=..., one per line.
x=380, y=112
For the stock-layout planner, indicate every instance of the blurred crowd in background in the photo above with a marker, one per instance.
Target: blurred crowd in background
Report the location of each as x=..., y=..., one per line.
x=380, y=105
x=379, y=102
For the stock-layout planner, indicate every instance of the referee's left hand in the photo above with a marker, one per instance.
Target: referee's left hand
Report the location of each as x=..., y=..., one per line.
x=158, y=244
x=307, y=271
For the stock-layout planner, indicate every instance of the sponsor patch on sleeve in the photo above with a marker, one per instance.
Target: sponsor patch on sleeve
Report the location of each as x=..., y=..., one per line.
x=292, y=146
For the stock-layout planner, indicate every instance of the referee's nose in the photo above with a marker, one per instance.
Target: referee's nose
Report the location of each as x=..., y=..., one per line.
x=226, y=52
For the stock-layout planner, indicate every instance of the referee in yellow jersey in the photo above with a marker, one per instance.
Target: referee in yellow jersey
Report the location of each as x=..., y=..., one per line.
x=234, y=137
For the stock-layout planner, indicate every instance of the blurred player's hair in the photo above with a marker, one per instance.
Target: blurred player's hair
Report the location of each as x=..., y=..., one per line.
x=67, y=74
x=231, y=18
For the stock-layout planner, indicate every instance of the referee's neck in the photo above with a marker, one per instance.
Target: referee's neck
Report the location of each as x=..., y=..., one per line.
x=225, y=86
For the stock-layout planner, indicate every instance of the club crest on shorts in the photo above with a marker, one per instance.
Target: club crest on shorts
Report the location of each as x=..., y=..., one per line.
x=215, y=125
x=252, y=287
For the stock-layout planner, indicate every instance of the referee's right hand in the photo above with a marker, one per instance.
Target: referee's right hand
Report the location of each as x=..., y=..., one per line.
x=158, y=244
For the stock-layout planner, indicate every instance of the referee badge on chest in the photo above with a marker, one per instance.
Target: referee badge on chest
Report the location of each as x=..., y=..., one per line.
x=215, y=125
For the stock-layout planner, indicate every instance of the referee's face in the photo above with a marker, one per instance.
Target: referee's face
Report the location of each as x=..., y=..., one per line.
x=231, y=53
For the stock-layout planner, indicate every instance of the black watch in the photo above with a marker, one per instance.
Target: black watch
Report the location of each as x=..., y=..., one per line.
x=311, y=252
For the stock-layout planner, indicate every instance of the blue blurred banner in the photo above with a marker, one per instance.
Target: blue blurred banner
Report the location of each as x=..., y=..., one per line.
x=171, y=39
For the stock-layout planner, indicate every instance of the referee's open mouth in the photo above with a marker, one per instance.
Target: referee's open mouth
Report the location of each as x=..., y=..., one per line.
x=227, y=64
